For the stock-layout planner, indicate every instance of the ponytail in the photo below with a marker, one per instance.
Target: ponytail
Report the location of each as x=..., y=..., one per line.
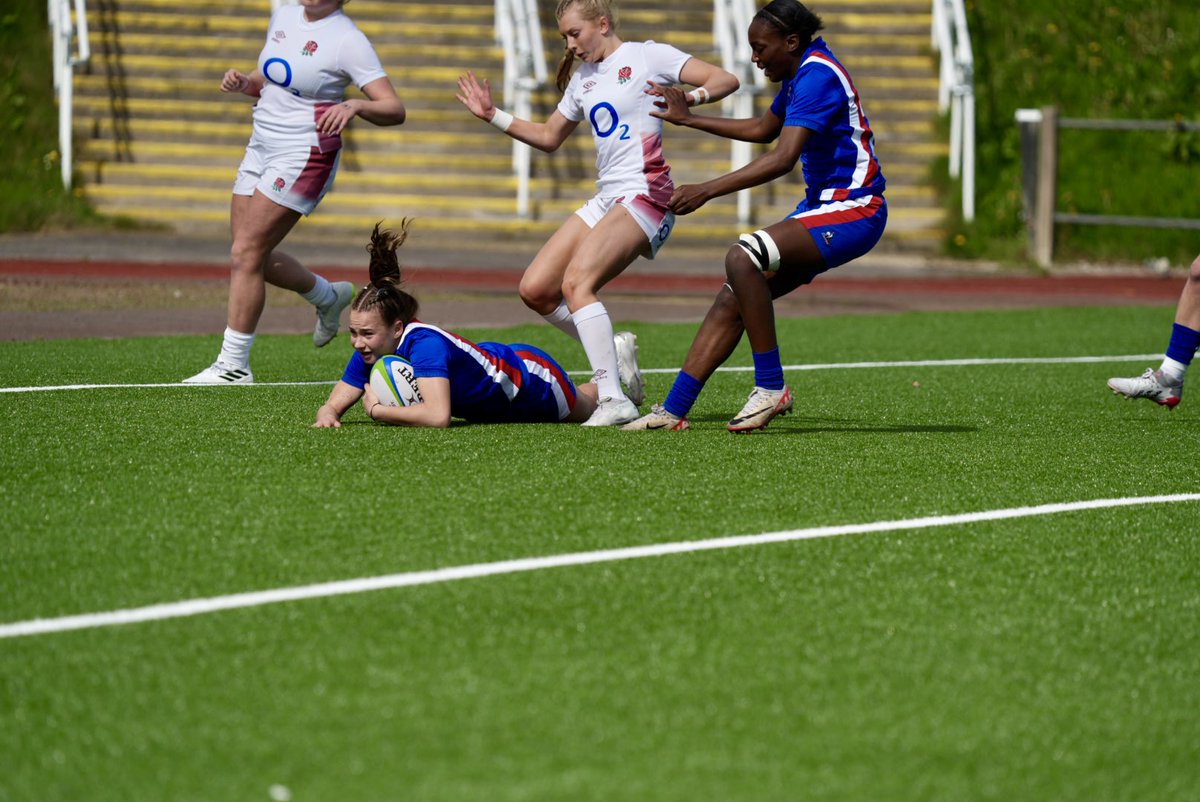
x=383, y=292
x=564, y=70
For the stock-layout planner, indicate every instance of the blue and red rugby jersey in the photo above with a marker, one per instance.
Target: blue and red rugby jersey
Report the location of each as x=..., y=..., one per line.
x=839, y=158
x=489, y=382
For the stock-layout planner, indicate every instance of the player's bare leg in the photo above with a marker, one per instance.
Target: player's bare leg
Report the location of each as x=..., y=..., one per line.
x=604, y=254
x=1164, y=386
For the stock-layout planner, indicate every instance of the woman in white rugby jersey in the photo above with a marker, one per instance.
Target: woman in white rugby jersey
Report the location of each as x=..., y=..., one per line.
x=312, y=53
x=628, y=217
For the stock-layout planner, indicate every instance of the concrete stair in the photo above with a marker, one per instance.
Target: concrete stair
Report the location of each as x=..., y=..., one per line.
x=156, y=140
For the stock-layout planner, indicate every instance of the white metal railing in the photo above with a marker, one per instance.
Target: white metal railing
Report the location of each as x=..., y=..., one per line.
x=731, y=20
x=65, y=32
x=956, y=91
x=519, y=32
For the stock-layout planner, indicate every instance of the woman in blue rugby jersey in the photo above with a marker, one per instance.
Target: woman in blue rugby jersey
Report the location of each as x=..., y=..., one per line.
x=818, y=120
x=484, y=382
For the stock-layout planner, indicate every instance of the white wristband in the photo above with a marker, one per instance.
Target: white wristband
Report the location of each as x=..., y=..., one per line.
x=501, y=119
x=697, y=96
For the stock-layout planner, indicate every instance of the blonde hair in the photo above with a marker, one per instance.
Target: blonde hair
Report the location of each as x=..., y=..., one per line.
x=590, y=10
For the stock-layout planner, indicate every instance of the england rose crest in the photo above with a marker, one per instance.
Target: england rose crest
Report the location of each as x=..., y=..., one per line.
x=624, y=74
x=310, y=47
x=279, y=185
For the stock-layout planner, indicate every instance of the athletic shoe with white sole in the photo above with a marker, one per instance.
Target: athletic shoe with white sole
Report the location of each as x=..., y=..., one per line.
x=762, y=406
x=1153, y=385
x=627, y=366
x=220, y=373
x=657, y=419
x=329, y=317
x=612, y=412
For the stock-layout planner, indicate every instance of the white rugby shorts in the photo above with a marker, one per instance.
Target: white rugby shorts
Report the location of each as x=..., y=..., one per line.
x=655, y=220
x=293, y=176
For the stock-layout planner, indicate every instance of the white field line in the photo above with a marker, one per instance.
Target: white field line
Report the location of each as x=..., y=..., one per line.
x=173, y=384
x=159, y=612
x=942, y=363
x=916, y=363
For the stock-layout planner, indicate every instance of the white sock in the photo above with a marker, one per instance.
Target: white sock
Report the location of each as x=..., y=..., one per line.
x=596, y=334
x=1173, y=370
x=560, y=318
x=321, y=294
x=235, y=350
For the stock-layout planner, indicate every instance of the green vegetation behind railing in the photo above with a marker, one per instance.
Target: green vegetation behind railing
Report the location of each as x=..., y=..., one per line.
x=33, y=196
x=1091, y=59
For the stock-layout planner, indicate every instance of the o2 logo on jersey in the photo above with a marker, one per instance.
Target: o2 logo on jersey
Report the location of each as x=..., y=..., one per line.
x=279, y=72
x=614, y=122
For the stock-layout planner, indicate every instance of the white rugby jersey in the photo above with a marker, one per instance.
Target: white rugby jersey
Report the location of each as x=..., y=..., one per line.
x=611, y=97
x=307, y=66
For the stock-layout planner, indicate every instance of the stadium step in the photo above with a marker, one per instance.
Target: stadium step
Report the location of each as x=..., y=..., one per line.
x=156, y=141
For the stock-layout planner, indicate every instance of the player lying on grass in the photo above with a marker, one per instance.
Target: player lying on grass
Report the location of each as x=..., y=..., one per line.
x=485, y=382
x=1165, y=385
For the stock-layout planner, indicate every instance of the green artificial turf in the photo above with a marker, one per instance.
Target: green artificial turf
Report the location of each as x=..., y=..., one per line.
x=1048, y=657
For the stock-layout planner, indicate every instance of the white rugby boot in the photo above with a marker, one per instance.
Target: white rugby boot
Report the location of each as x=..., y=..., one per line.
x=220, y=373
x=627, y=366
x=762, y=406
x=1153, y=385
x=329, y=317
x=658, y=419
x=612, y=412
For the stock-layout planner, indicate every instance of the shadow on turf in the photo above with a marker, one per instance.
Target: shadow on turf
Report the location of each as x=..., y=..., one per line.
x=814, y=426
x=780, y=426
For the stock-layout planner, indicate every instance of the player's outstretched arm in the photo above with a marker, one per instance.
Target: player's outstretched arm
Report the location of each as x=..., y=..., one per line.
x=712, y=82
x=675, y=108
x=341, y=398
x=776, y=162
x=547, y=136
x=433, y=411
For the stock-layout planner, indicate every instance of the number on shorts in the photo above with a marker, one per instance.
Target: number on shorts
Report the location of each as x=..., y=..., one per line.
x=664, y=231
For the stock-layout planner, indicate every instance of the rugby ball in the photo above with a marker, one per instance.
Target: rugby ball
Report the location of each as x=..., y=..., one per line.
x=394, y=383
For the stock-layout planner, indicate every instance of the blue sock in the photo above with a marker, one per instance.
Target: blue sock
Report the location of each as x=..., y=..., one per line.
x=1183, y=345
x=683, y=395
x=768, y=372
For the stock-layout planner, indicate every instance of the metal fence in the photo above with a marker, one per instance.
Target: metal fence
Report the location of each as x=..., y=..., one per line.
x=1039, y=165
x=519, y=32
x=71, y=48
x=956, y=92
x=731, y=19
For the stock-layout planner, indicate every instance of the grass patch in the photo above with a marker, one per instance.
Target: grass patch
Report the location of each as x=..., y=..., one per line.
x=1035, y=658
